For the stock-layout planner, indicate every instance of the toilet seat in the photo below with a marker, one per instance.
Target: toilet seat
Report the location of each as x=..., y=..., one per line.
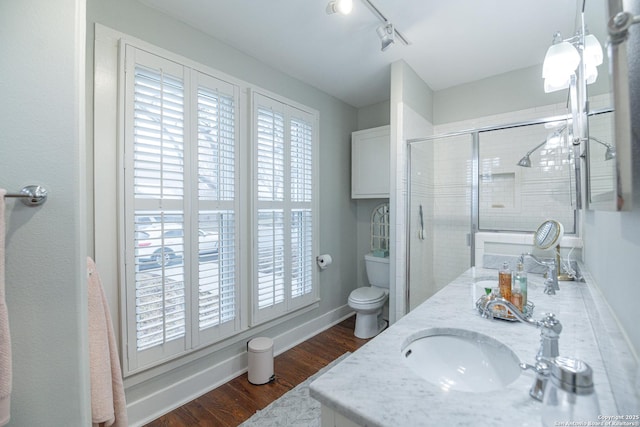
x=367, y=295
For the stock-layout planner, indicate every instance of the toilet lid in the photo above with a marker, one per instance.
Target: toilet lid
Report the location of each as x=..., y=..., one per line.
x=366, y=294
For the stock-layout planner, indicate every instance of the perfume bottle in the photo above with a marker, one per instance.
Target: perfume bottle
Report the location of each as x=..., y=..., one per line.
x=520, y=282
x=504, y=281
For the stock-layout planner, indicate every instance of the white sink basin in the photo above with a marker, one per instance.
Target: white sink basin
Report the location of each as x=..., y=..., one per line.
x=462, y=360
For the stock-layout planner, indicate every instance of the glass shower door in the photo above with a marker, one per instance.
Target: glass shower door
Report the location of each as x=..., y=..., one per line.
x=441, y=189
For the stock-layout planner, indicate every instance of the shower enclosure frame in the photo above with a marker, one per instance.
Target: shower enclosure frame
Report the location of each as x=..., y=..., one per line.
x=475, y=185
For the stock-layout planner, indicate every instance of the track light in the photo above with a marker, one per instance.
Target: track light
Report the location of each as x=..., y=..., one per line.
x=344, y=7
x=386, y=34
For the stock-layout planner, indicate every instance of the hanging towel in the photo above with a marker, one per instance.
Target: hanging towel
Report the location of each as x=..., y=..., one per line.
x=108, y=405
x=5, y=339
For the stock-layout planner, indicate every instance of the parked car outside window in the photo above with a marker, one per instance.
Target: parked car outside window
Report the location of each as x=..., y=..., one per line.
x=156, y=246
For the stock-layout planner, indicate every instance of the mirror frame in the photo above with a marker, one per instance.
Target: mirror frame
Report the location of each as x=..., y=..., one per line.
x=621, y=55
x=548, y=240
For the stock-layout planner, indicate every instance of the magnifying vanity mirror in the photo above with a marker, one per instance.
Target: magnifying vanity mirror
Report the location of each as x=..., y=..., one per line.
x=548, y=235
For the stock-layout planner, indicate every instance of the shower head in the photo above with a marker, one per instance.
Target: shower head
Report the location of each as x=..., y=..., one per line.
x=610, y=153
x=525, y=162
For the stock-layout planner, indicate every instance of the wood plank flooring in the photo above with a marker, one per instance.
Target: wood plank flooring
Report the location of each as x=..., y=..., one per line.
x=236, y=401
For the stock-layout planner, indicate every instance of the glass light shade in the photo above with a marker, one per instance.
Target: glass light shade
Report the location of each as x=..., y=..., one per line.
x=592, y=51
x=590, y=73
x=552, y=84
x=561, y=59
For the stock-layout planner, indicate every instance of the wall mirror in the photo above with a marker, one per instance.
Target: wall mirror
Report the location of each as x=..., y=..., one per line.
x=610, y=185
x=601, y=187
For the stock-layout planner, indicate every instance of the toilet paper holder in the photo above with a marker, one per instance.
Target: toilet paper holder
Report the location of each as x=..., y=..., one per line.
x=324, y=260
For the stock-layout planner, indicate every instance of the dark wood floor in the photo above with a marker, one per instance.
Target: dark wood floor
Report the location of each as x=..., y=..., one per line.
x=236, y=401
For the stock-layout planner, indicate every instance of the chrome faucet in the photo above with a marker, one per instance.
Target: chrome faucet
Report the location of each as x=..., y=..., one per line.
x=551, y=281
x=550, y=329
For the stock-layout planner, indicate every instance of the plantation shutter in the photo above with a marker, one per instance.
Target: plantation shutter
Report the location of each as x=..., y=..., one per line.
x=301, y=132
x=180, y=208
x=155, y=225
x=284, y=197
x=217, y=297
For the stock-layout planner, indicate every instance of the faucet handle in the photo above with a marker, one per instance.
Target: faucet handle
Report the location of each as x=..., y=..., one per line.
x=543, y=371
x=551, y=324
x=541, y=367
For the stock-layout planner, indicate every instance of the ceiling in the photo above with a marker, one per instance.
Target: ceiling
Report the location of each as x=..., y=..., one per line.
x=452, y=41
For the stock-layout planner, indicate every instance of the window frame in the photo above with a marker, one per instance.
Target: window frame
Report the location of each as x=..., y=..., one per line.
x=246, y=320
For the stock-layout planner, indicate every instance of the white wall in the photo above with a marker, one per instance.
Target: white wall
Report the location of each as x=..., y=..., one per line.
x=43, y=142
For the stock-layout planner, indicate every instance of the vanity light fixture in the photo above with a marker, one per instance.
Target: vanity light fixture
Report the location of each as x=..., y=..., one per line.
x=564, y=56
x=344, y=7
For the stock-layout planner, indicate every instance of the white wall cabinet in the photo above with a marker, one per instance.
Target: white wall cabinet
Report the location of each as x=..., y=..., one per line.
x=370, y=160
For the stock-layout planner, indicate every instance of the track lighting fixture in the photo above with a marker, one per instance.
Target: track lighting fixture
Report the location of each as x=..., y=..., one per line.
x=386, y=34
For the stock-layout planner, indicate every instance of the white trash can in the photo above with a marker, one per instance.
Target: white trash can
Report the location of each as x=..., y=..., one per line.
x=260, y=360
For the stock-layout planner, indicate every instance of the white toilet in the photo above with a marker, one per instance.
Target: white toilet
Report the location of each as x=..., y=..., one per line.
x=368, y=301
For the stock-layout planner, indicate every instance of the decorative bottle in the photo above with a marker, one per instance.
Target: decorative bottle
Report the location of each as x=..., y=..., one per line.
x=504, y=281
x=520, y=282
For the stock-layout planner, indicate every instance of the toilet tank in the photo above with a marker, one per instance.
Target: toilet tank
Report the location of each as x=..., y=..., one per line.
x=377, y=270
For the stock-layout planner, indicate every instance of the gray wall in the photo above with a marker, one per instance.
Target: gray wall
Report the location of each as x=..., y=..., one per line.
x=42, y=142
x=417, y=94
x=513, y=91
x=374, y=115
x=612, y=239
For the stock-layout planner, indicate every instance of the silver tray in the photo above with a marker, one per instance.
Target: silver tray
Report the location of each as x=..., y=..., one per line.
x=503, y=314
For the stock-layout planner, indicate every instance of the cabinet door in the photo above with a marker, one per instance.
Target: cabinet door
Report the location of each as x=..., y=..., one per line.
x=370, y=159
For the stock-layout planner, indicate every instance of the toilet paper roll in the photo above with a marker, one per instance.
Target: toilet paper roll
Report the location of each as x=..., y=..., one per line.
x=324, y=261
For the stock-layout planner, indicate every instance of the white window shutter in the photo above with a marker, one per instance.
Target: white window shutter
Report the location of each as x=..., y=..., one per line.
x=180, y=193
x=284, y=169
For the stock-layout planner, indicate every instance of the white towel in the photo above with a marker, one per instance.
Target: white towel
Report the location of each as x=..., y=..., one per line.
x=108, y=403
x=5, y=338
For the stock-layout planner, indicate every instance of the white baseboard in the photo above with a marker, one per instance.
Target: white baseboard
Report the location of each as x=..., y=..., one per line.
x=150, y=407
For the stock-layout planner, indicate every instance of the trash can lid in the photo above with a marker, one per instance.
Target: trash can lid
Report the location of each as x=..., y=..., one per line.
x=260, y=344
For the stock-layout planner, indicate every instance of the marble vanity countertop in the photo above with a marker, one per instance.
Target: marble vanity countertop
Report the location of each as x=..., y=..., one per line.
x=374, y=387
